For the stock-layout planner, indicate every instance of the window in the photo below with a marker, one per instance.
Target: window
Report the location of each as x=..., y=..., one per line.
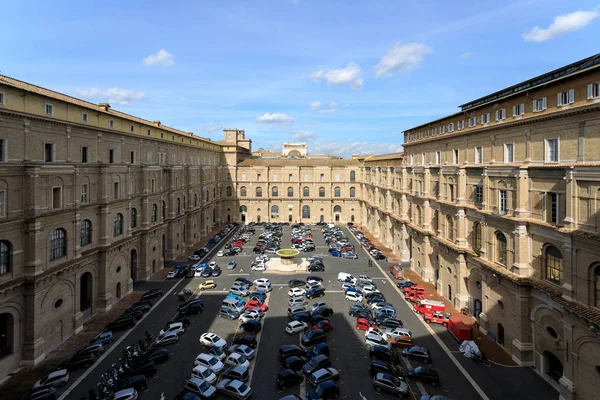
x=554, y=265
x=131, y=128
x=593, y=90
x=501, y=114
x=322, y=177
x=275, y=212
x=321, y=192
x=478, y=155
x=48, y=152
x=509, y=153
x=451, y=127
x=455, y=154
x=461, y=124
x=412, y=159
x=111, y=123
x=178, y=207
x=84, y=117
x=3, y=153
x=290, y=177
x=133, y=218
x=306, y=177
x=337, y=177
x=419, y=215
x=118, y=225
x=85, y=232
x=501, y=248
x=597, y=286
x=438, y=157
x=132, y=157
x=1, y=99
x=552, y=150
x=154, y=214
x=290, y=192
x=116, y=190
x=539, y=104
x=449, y=228
x=478, y=194
x=274, y=177
x=305, y=191
x=5, y=260
x=274, y=192
x=243, y=191
x=442, y=129
x=305, y=212
x=84, y=193
x=352, y=176
x=502, y=202
x=519, y=110
x=337, y=191
x=485, y=118
x=553, y=208
x=84, y=154
x=565, y=98
x=228, y=190
x=2, y=205
x=451, y=192
x=477, y=236
x=353, y=192
x=423, y=158
x=56, y=198
x=111, y=156
x=58, y=244
x=152, y=186
x=49, y=109
x=258, y=177
x=259, y=192
x=472, y=122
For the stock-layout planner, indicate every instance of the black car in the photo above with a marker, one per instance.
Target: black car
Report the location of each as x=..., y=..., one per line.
x=189, y=274
x=185, y=321
x=216, y=271
x=302, y=317
x=138, y=382
x=290, y=350
x=93, y=349
x=152, y=294
x=146, y=368
x=361, y=313
x=142, y=302
x=385, y=367
x=206, y=273
x=316, y=268
x=379, y=256
x=40, y=393
x=388, y=322
x=324, y=390
x=314, y=278
x=417, y=353
x=296, y=283
x=120, y=324
x=424, y=374
x=315, y=292
x=315, y=363
x=137, y=314
x=287, y=378
x=307, y=248
x=245, y=281
x=258, y=250
x=252, y=326
x=315, y=319
x=248, y=340
x=191, y=307
x=313, y=337
x=157, y=356
x=323, y=311
x=384, y=354
x=79, y=361
x=142, y=307
x=295, y=363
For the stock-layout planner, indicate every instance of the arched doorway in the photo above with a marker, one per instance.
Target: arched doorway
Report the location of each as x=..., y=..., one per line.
x=133, y=264
x=552, y=366
x=243, y=211
x=352, y=218
x=500, y=334
x=118, y=291
x=337, y=210
x=321, y=218
x=258, y=219
x=6, y=335
x=85, y=291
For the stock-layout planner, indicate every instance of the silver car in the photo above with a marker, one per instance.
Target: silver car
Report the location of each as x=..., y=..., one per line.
x=167, y=338
x=234, y=389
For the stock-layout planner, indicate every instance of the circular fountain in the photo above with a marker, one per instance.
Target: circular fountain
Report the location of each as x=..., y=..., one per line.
x=287, y=256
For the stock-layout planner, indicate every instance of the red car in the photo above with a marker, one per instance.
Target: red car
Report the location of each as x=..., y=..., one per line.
x=257, y=304
x=347, y=248
x=237, y=243
x=324, y=325
x=364, y=324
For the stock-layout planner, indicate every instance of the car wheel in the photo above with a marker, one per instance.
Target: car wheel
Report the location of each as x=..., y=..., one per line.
x=434, y=383
x=378, y=389
x=426, y=361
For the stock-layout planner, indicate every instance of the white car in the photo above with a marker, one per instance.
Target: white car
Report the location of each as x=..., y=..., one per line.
x=398, y=331
x=316, y=305
x=259, y=266
x=198, y=272
x=353, y=296
x=194, y=257
x=176, y=327
x=209, y=361
x=373, y=339
x=262, y=281
x=312, y=280
x=171, y=275
x=56, y=379
x=236, y=359
x=205, y=373
x=296, y=327
x=370, y=289
x=220, y=253
x=365, y=278
x=376, y=331
x=262, y=258
x=297, y=301
x=263, y=288
x=242, y=349
x=210, y=339
x=296, y=292
x=213, y=264
x=378, y=305
x=249, y=315
x=347, y=285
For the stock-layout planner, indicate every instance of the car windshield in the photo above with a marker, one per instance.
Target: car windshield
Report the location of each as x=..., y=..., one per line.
x=314, y=362
x=242, y=388
x=204, y=386
x=242, y=358
x=418, y=370
x=212, y=361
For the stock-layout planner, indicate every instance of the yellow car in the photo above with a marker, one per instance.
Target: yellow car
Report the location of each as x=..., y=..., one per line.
x=210, y=284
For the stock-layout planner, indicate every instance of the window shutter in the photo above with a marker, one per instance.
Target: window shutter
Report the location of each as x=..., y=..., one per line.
x=571, y=96
x=534, y=106
x=544, y=103
x=559, y=99
x=590, y=91
x=514, y=111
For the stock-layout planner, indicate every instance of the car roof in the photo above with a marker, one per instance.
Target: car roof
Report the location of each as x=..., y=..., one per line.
x=60, y=372
x=128, y=391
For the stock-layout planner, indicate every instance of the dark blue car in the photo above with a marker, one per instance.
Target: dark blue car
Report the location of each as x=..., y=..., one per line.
x=335, y=253
x=103, y=338
x=260, y=296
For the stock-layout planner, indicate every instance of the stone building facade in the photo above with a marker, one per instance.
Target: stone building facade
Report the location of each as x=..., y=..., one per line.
x=498, y=206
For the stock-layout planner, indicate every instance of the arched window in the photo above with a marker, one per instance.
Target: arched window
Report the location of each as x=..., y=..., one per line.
x=337, y=191
x=352, y=191
x=118, y=225
x=321, y=192
x=597, y=286
x=133, y=218
x=419, y=215
x=274, y=191
x=164, y=209
x=449, y=228
x=477, y=236
x=5, y=260
x=275, y=212
x=85, y=232
x=500, y=248
x=305, y=212
x=352, y=176
x=243, y=209
x=228, y=191
x=154, y=214
x=58, y=244
x=337, y=209
x=554, y=265
x=290, y=192
x=243, y=191
x=305, y=191
x=178, y=206
x=258, y=192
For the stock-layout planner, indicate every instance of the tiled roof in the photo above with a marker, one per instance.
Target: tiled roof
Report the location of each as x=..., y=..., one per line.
x=391, y=156
x=258, y=162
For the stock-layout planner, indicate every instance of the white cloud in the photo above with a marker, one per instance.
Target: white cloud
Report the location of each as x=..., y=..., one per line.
x=342, y=76
x=304, y=136
x=210, y=127
x=315, y=105
x=561, y=25
x=333, y=107
x=354, y=147
x=162, y=57
x=401, y=58
x=112, y=95
x=466, y=54
x=277, y=118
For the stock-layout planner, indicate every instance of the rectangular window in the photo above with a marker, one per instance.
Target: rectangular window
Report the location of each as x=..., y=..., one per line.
x=423, y=158
x=519, y=110
x=552, y=150
x=274, y=177
x=461, y=124
x=3, y=150
x=152, y=185
x=553, y=208
x=116, y=190
x=451, y=127
x=455, y=153
x=509, y=156
x=49, y=109
x=243, y=176
x=565, y=98
x=2, y=205
x=1, y=99
x=84, y=154
x=290, y=177
x=306, y=177
x=131, y=128
x=443, y=129
x=412, y=159
x=132, y=157
x=451, y=192
x=322, y=177
x=419, y=188
x=49, y=152
x=162, y=135
x=111, y=156
x=472, y=122
x=501, y=114
x=485, y=118
x=593, y=90
x=132, y=187
x=502, y=206
x=84, y=118
x=337, y=177
x=478, y=194
x=148, y=132
x=539, y=104
x=258, y=177
x=149, y=157
x=111, y=123
x=438, y=157
x=56, y=198
x=84, y=193
x=478, y=155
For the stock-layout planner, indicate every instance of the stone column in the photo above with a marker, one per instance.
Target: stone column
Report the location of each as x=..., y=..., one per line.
x=461, y=189
x=570, y=221
x=522, y=251
x=404, y=250
x=522, y=206
x=32, y=348
x=461, y=228
x=567, y=381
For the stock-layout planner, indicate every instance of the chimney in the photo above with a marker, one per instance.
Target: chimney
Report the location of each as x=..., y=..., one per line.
x=156, y=123
x=104, y=106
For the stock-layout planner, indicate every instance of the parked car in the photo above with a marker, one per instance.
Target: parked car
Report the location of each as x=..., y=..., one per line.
x=322, y=375
x=316, y=292
x=313, y=337
x=325, y=390
x=234, y=389
x=287, y=378
x=146, y=368
x=209, y=284
x=231, y=265
x=40, y=393
x=78, y=361
x=191, y=307
x=204, y=373
x=94, y=349
x=296, y=292
x=236, y=372
x=290, y=350
x=324, y=311
x=315, y=363
x=324, y=325
x=157, y=356
x=248, y=340
x=353, y=296
x=209, y=361
x=383, y=382
x=152, y=294
x=236, y=359
x=260, y=296
x=247, y=351
x=200, y=387
x=252, y=326
x=424, y=374
x=296, y=327
x=166, y=339
x=210, y=339
x=120, y=324
x=384, y=354
x=417, y=353
x=57, y=378
x=103, y=338
x=378, y=366
x=315, y=268
x=176, y=327
x=216, y=271
x=229, y=313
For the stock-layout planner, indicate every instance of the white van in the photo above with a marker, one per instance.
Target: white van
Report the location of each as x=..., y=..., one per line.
x=342, y=276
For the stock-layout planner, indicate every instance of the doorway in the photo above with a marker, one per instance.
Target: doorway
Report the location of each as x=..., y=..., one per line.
x=477, y=308
x=118, y=291
x=258, y=219
x=450, y=292
x=85, y=291
x=552, y=366
x=133, y=265
x=500, y=334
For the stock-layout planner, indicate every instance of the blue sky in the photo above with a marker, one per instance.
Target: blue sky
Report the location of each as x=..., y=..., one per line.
x=346, y=76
